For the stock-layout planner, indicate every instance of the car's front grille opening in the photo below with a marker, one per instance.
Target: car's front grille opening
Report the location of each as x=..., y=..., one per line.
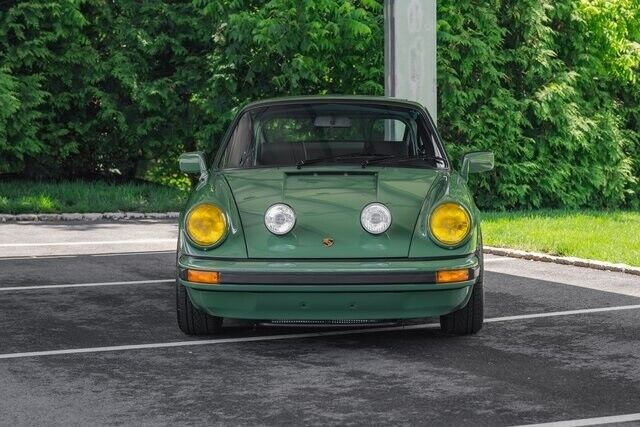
x=317, y=323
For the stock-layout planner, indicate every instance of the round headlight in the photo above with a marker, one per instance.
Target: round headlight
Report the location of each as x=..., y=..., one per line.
x=375, y=218
x=279, y=219
x=450, y=223
x=206, y=224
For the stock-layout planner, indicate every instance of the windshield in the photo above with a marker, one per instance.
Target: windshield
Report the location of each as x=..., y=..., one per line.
x=325, y=133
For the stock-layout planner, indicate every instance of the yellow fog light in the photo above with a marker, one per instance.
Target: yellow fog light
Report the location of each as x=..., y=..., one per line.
x=450, y=223
x=199, y=276
x=206, y=224
x=448, y=276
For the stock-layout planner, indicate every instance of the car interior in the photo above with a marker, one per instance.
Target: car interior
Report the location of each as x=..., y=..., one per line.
x=328, y=137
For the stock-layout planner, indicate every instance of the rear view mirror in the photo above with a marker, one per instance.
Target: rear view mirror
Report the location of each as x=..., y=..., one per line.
x=480, y=161
x=332, y=122
x=193, y=163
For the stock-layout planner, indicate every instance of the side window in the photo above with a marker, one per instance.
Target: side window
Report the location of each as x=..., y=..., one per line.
x=240, y=143
x=427, y=144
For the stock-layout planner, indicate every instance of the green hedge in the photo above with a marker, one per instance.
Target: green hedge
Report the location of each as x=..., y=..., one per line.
x=550, y=86
x=123, y=86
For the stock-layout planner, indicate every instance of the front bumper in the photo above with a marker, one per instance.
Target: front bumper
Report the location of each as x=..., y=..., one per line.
x=328, y=289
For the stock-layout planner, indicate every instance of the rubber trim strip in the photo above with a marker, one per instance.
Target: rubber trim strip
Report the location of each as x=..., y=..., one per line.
x=320, y=278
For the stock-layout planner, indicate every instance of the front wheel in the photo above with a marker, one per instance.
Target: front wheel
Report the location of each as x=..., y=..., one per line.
x=191, y=320
x=468, y=320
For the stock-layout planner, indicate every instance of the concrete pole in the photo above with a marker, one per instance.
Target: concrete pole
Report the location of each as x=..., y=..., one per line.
x=410, y=51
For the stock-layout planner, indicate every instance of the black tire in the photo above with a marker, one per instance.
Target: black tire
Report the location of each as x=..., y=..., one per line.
x=468, y=320
x=191, y=320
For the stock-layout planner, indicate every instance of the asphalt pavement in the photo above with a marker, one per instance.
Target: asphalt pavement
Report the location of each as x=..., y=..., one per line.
x=88, y=336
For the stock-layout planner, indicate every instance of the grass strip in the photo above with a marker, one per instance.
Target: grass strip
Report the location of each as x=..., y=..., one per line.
x=612, y=236
x=87, y=196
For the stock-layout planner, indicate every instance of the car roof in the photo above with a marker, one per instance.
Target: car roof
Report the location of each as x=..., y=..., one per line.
x=321, y=99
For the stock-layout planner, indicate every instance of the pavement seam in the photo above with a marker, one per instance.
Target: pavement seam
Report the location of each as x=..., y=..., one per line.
x=574, y=261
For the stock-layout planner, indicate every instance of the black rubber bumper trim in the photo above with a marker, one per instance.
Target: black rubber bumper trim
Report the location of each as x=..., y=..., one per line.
x=258, y=278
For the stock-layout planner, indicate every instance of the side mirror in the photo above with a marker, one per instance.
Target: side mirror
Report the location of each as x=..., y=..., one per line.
x=193, y=163
x=480, y=161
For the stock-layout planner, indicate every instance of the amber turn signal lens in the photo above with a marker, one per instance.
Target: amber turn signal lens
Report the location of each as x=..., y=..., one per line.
x=448, y=276
x=198, y=276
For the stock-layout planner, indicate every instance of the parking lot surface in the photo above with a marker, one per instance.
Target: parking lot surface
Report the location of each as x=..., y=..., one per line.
x=88, y=336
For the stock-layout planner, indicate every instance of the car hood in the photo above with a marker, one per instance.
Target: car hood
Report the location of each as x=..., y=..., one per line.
x=327, y=203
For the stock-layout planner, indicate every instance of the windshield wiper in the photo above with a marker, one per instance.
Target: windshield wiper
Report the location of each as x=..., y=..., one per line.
x=399, y=159
x=336, y=157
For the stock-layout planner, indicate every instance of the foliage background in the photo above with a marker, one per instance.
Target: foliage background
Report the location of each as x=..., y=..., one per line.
x=121, y=87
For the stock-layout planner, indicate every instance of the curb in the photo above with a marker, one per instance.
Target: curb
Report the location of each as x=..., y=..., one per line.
x=89, y=216
x=578, y=262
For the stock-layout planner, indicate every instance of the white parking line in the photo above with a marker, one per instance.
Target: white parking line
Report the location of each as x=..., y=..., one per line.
x=13, y=258
x=89, y=285
x=112, y=254
x=134, y=253
x=295, y=336
x=562, y=313
x=101, y=242
x=588, y=421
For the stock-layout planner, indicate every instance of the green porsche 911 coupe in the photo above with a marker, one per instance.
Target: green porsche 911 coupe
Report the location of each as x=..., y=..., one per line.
x=330, y=209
